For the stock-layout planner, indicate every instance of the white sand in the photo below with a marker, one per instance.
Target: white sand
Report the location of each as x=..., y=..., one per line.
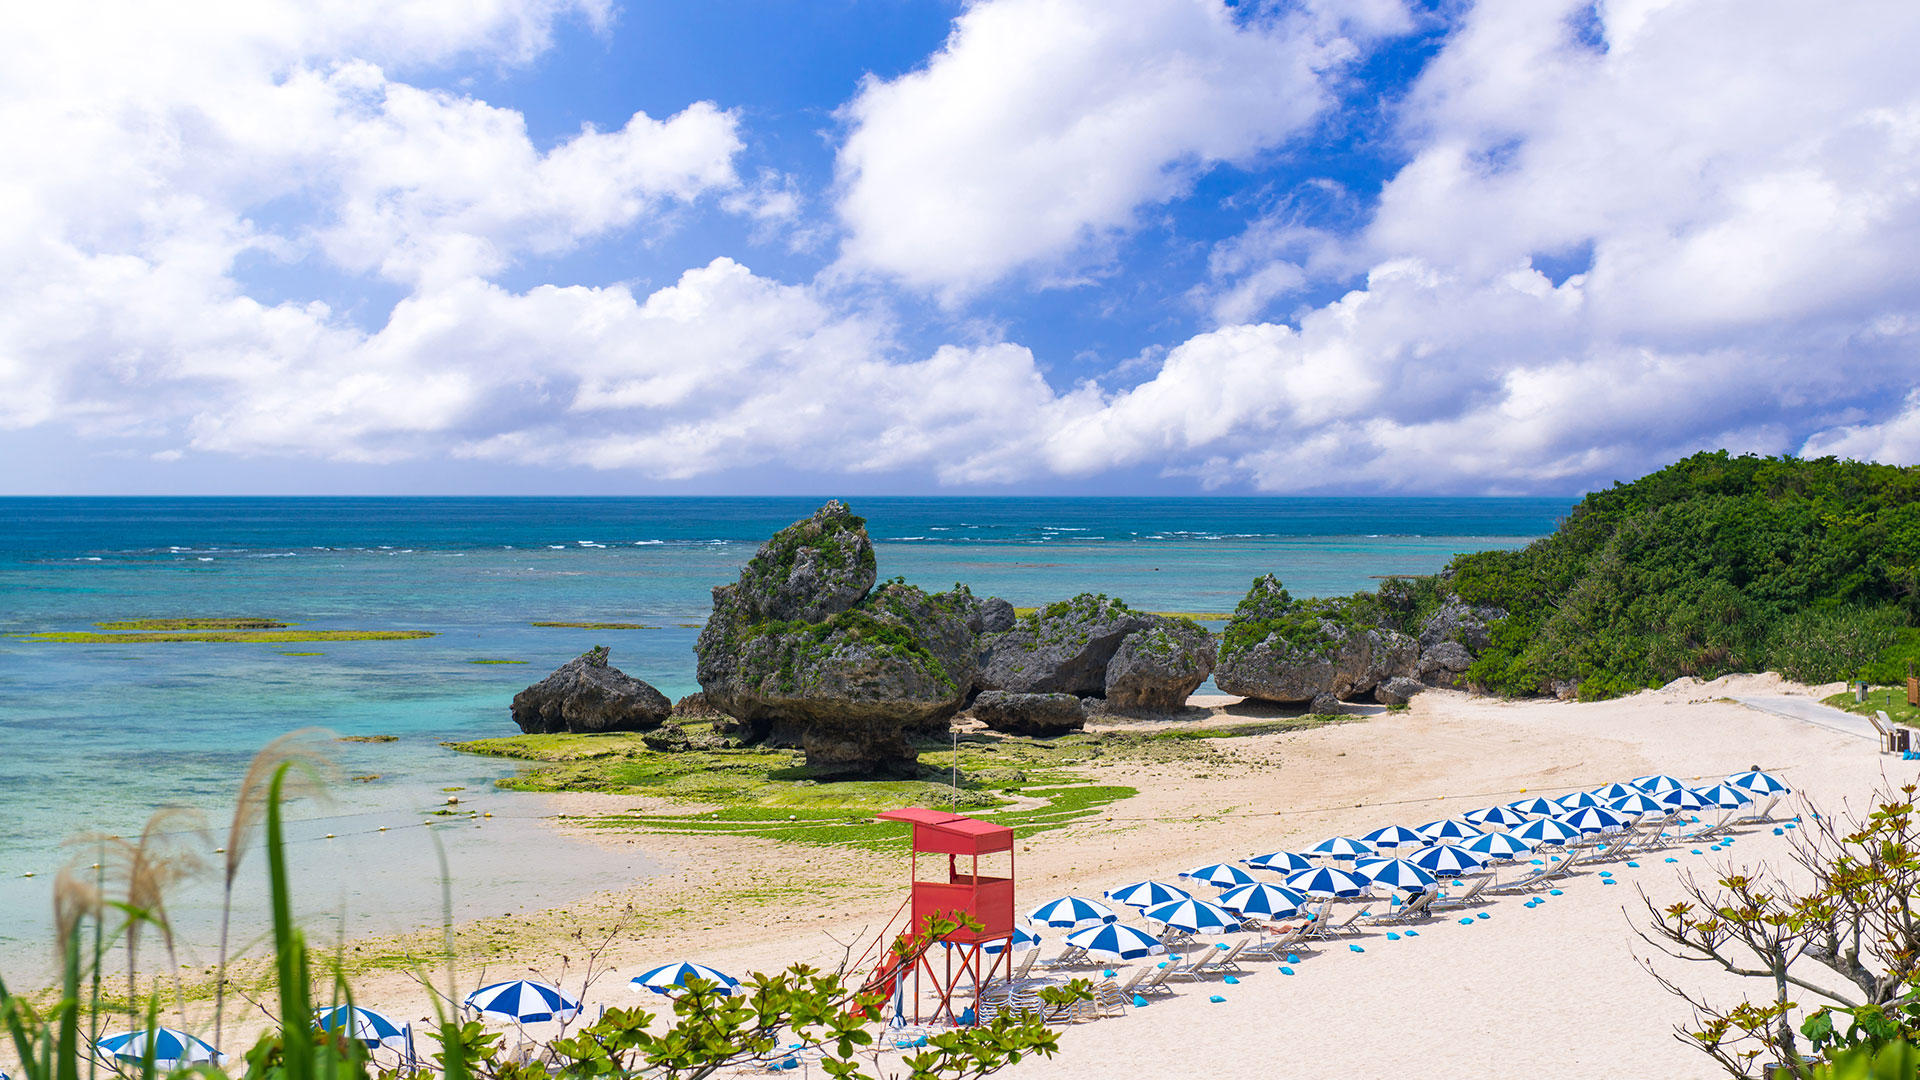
x=1555, y=991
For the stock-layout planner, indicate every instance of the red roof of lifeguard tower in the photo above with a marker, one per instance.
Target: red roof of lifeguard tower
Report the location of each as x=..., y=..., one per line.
x=951, y=834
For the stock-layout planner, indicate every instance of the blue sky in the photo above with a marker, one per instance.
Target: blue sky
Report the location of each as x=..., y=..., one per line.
x=1055, y=246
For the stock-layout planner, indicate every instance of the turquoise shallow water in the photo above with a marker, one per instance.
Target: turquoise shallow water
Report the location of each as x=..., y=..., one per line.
x=93, y=736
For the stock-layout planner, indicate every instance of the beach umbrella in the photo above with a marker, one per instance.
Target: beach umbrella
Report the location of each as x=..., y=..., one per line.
x=1758, y=782
x=1327, y=882
x=1681, y=798
x=1393, y=836
x=1285, y=862
x=1496, y=817
x=1263, y=901
x=1071, y=911
x=1657, y=783
x=672, y=978
x=367, y=1026
x=172, y=1048
x=1727, y=796
x=1341, y=848
x=523, y=1002
x=1447, y=860
x=1575, y=800
x=1195, y=916
x=1146, y=894
x=1116, y=941
x=1593, y=819
x=1614, y=791
x=1545, y=831
x=1220, y=875
x=1535, y=807
x=1637, y=805
x=1023, y=939
x=1447, y=829
x=1497, y=846
x=1396, y=875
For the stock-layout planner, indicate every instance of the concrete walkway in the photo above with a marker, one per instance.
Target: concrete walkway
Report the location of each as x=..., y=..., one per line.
x=1811, y=711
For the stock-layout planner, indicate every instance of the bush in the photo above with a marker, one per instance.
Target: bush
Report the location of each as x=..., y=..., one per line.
x=1829, y=645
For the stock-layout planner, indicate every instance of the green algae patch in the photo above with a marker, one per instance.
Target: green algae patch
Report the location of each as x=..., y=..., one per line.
x=1030, y=785
x=368, y=738
x=486, y=661
x=89, y=637
x=193, y=624
x=550, y=624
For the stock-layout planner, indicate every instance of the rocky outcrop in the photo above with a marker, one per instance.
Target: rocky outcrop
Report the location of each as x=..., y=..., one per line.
x=588, y=696
x=1443, y=664
x=1063, y=648
x=1278, y=649
x=1155, y=669
x=1030, y=714
x=671, y=738
x=1460, y=622
x=996, y=615
x=802, y=644
x=1397, y=690
x=694, y=707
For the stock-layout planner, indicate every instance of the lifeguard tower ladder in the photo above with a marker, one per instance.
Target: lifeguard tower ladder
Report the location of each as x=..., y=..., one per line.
x=943, y=982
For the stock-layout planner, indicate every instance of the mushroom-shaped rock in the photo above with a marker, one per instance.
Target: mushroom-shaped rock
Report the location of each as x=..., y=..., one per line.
x=1155, y=669
x=1063, y=648
x=589, y=696
x=1278, y=649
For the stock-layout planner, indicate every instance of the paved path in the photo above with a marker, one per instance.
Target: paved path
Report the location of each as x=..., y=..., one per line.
x=1811, y=711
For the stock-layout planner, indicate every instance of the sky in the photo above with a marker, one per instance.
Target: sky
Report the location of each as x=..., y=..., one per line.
x=914, y=246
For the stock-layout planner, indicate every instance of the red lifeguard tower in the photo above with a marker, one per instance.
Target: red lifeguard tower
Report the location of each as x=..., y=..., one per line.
x=968, y=959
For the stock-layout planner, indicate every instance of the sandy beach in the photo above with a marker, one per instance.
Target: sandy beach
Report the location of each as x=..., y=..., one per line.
x=1558, y=989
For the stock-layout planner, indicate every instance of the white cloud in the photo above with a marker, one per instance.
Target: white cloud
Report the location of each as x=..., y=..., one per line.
x=1895, y=441
x=1041, y=127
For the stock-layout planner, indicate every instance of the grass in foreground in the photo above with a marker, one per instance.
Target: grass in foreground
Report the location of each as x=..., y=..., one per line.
x=89, y=637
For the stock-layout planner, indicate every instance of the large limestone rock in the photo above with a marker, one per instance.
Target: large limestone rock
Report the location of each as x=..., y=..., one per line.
x=996, y=615
x=1063, y=648
x=1279, y=649
x=801, y=644
x=1397, y=690
x=1155, y=669
x=588, y=696
x=1042, y=715
x=1460, y=622
x=1443, y=664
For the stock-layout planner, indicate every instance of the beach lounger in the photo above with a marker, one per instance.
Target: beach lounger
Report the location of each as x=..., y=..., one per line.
x=1526, y=882
x=1155, y=983
x=1025, y=966
x=1111, y=998
x=1762, y=812
x=1071, y=956
x=1471, y=895
x=1894, y=739
x=1228, y=961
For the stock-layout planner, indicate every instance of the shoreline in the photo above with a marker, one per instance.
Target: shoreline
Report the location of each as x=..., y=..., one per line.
x=745, y=904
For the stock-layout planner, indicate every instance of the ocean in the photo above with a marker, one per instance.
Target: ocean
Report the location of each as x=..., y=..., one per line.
x=92, y=737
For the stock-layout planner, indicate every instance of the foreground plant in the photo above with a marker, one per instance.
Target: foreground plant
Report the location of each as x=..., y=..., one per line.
x=1840, y=943
x=822, y=1015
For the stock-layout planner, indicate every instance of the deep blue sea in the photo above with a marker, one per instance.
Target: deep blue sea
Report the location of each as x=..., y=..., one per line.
x=93, y=736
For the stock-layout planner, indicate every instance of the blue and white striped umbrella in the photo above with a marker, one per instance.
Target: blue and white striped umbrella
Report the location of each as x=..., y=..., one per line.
x=367, y=1026
x=1727, y=796
x=172, y=1048
x=1496, y=817
x=1637, y=805
x=1393, y=836
x=1575, y=800
x=1498, y=846
x=1447, y=860
x=1146, y=894
x=1263, y=901
x=1593, y=819
x=523, y=1002
x=1656, y=783
x=1328, y=882
x=1116, y=941
x=672, y=979
x=1396, y=875
x=1683, y=798
x=1535, y=807
x=1023, y=939
x=1758, y=782
x=1285, y=862
x=1446, y=829
x=1545, y=830
x=1341, y=849
x=1614, y=791
x=1070, y=911
x=1195, y=917
x=1220, y=875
